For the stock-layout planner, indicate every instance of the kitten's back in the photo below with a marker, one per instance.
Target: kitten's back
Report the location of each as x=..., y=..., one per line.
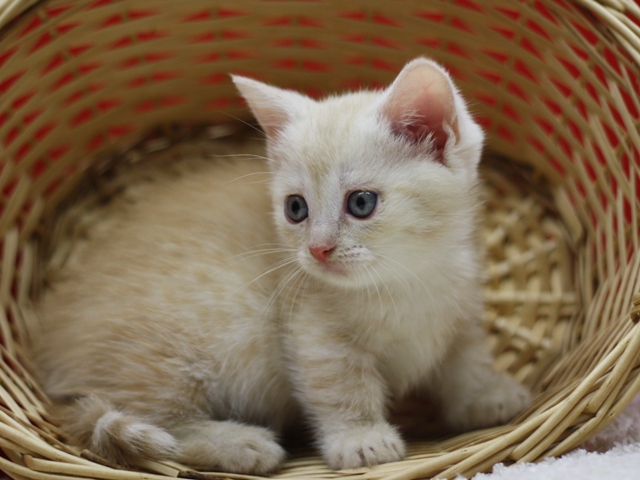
x=159, y=301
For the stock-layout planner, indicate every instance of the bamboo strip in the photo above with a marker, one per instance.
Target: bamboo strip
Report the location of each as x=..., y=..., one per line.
x=555, y=88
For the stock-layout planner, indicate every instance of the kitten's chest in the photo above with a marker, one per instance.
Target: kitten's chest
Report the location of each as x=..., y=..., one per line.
x=409, y=339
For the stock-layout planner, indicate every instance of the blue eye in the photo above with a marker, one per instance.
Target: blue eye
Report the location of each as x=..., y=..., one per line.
x=361, y=204
x=296, y=208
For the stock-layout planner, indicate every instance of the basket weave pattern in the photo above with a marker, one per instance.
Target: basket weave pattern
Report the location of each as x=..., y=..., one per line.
x=554, y=82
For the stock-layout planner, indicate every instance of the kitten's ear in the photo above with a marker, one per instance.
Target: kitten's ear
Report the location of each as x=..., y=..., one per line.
x=420, y=104
x=273, y=107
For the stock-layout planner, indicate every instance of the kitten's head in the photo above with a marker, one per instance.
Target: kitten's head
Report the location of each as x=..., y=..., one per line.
x=371, y=186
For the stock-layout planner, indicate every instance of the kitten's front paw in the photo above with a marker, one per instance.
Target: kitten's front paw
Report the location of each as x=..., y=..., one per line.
x=498, y=401
x=362, y=446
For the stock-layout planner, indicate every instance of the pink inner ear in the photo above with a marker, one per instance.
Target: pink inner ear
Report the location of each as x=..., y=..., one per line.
x=421, y=105
x=419, y=128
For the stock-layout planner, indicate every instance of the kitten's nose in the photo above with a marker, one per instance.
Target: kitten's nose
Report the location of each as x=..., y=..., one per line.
x=321, y=252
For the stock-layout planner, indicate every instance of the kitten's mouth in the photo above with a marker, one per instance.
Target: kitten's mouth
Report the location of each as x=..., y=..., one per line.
x=341, y=273
x=332, y=267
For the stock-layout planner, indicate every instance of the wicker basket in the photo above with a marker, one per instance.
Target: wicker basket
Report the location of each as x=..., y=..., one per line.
x=555, y=83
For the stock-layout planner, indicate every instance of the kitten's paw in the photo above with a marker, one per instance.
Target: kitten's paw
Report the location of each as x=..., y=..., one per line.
x=253, y=451
x=231, y=447
x=362, y=446
x=499, y=400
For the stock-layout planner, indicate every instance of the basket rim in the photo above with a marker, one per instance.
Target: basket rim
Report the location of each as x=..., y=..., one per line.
x=621, y=17
x=10, y=9
x=580, y=410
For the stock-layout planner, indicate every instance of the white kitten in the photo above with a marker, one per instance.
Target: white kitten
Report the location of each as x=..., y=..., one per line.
x=161, y=343
x=387, y=228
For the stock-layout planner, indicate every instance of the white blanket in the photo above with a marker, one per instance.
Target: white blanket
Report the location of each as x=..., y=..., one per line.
x=613, y=454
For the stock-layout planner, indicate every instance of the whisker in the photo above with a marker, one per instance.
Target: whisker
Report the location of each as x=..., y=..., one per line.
x=235, y=180
x=246, y=156
x=272, y=244
x=295, y=296
x=426, y=289
x=384, y=284
x=289, y=319
x=281, y=286
x=273, y=268
x=264, y=135
x=257, y=253
x=238, y=155
x=399, y=279
x=377, y=290
x=369, y=295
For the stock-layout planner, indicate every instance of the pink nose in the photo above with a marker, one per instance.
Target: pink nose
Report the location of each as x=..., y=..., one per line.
x=321, y=252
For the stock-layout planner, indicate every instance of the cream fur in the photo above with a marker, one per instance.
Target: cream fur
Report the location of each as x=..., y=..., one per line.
x=197, y=307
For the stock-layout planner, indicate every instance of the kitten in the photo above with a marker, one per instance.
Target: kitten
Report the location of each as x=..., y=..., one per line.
x=203, y=315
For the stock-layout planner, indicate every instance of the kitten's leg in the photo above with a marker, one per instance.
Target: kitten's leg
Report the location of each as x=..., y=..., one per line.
x=472, y=393
x=96, y=424
x=341, y=388
x=124, y=438
x=228, y=446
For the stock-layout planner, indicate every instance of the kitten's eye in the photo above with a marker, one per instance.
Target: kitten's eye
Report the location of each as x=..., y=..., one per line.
x=362, y=204
x=296, y=208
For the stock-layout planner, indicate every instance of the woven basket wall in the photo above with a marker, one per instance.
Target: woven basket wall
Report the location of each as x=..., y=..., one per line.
x=554, y=82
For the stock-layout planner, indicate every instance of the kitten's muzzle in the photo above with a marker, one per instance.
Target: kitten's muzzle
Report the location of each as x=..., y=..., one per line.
x=321, y=252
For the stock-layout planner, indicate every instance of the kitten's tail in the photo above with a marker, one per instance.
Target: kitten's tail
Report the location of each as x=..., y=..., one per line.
x=96, y=424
